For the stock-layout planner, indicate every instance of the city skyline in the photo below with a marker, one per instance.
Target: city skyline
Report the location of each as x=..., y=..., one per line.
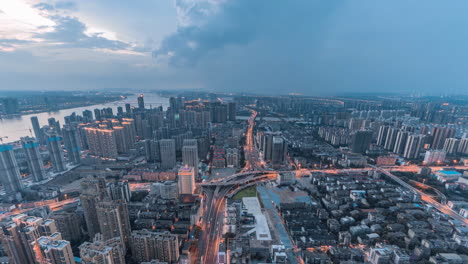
x=313, y=48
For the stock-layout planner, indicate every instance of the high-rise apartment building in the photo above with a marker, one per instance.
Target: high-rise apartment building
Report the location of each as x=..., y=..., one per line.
x=382, y=136
x=186, y=180
x=55, y=151
x=93, y=190
x=54, y=250
x=439, y=134
x=37, y=130
x=114, y=220
x=32, y=240
x=463, y=146
x=9, y=170
x=391, y=138
x=33, y=158
x=102, y=142
x=414, y=146
x=71, y=141
x=147, y=245
x=119, y=190
x=360, y=141
x=167, y=153
x=278, y=150
x=68, y=224
x=102, y=251
x=232, y=111
x=400, y=142
x=190, y=154
x=451, y=145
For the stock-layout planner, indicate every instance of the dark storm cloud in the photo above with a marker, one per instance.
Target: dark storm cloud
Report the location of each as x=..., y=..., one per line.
x=323, y=47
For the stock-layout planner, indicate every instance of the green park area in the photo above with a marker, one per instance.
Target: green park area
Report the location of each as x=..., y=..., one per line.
x=247, y=192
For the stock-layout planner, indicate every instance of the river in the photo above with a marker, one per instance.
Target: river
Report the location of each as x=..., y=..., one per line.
x=17, y=127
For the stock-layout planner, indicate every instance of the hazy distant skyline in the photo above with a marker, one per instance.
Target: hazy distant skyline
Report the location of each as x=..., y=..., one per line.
x=312, y=47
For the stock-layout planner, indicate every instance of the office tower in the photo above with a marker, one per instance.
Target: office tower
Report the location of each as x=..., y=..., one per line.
x=152, y=151
x=128, y=108
x=101, y=142
x=37, y=130
x=190, y=154
x=414, y=145
x=439, y=134
x=186, y=181
x=232, y=157
x=114, y=220
x=278, y=150
x=147, y=245
x=97, y=114
x=120, y=110
x=400, y=142
x=383, y=131
x=360, y=141
x=434, y=156
x=87, y=116
x=173, y=104
x=102, y=251
x=141, y=102
x=68, y=224
x=93, y=190
x=55, y=151
x=33, y=158
x=451, y=145
x=119, y=190
x=167, y=190
x=71, y=141
x=463, y=146
x=167, y=153
x=391, y=138
x=55, y=251
x=232, y=111
x=9, y=170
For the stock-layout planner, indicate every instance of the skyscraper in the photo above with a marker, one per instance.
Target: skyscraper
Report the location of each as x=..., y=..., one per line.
x=147, y=245
x=451, y=145
x=37, y=130
x=141, y=102
x=55, y=151
x=114, y=220
x=33, y=157
x=168, y=153
x=186, y=180
x=72, y=143
x=128, y=108
x=9, y=171
x=190, y=154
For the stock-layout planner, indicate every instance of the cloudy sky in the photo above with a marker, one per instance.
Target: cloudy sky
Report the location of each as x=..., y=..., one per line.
x=315, y=47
